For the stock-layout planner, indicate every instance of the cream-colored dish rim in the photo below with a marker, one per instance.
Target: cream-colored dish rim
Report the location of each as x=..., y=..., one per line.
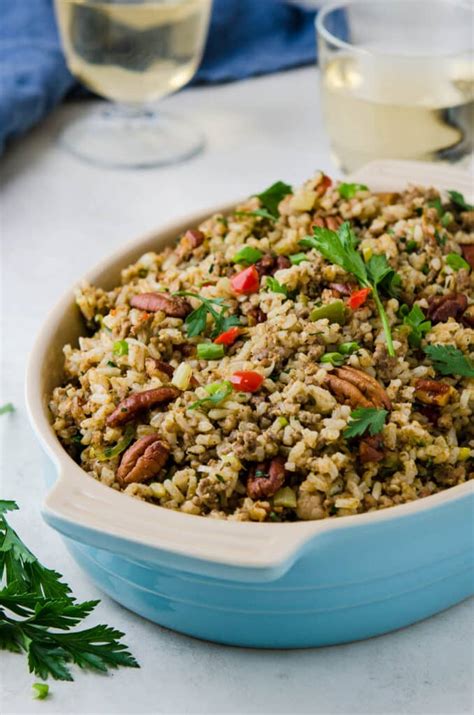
x=78, y=499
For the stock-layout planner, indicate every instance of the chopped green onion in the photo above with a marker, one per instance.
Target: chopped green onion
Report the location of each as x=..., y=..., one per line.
x=335, y=312
x=348, y=191
x=411, y=246
x=247, y=254
x=8, y=407
x=447, y=219
x=283, y=422
x=121, y=446
x=111, y=364
x=120, y=348
x=456, y=262
x=297, y=258
x=210, y=351
x=348, y=348
x=41, y=690
x=285, y=497
x=335, y=359
x=217, y=391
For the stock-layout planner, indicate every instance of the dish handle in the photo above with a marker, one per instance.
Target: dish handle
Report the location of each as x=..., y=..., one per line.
x=98, y=517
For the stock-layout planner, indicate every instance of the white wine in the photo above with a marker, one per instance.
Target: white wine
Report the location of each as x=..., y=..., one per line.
x=394, y=108
x=133, y=52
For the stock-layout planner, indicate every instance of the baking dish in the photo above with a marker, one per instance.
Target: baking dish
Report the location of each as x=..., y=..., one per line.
x=263, y=585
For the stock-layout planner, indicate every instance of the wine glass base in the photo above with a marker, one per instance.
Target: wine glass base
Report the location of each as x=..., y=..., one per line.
x=124, y=138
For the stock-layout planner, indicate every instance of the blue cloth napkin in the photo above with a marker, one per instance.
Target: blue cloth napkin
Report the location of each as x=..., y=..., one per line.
x=246, y=37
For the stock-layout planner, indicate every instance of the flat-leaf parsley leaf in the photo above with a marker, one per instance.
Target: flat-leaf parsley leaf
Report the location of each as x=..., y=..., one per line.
x=448, y=360
x=365, y=419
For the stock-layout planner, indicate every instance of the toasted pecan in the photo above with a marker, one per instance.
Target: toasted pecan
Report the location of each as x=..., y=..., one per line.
x=191, y=240
x=256, y=315
x=266, y=265
x=442, y=307
x=262, y=487
x=174, y=306
x=132, y=405
x=330, y=222
x=143, y=460
x=371, y=449
x=468, y=252
x=432, y=392
x=371, y=389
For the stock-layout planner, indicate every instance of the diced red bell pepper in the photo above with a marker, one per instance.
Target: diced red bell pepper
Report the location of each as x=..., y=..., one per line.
x=247, y=281
x=228, y=337
x=246, y=380
x=358, y=298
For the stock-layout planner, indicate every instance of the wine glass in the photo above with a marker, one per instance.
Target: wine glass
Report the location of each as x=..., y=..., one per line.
x=132, y=52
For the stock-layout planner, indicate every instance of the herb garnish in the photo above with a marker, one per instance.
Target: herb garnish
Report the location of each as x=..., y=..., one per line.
x=275, y=287
x=348, y=191
x=120, y=348
x=456, y=262
x=365, y=419
x=416, y=320
x=458, y=199
x=37, y=612
x=259, y=213
x=196, y=322
x=8, y=407
x=248, y=255
x=340, y=248
x=448, y=360
x=271, y=197
x=121, y=446
x=218, y=391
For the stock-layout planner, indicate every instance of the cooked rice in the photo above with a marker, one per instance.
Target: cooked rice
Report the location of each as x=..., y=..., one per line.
x=293, y=414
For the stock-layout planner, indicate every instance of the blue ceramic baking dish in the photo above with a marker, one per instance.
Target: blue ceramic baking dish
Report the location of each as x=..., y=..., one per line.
x=264, y=585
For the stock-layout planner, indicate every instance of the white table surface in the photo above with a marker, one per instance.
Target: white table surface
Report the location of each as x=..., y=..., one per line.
x=59, y=216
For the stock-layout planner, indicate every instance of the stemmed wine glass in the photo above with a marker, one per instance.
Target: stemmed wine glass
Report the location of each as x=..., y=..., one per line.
x=133, y=52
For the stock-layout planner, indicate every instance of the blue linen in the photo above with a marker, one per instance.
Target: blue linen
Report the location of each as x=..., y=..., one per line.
x=246, y=37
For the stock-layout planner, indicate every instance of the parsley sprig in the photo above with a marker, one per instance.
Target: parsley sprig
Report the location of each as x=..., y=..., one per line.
x=196, y=322
x=449, y=360
x=458, y=199
x=416, y=320
x=37, y=613
x=271, y=197
x=341, y=248
x=365, y=419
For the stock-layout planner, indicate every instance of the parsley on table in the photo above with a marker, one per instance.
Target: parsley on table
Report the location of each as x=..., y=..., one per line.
x=8, y=407
x=271, y=197
x=365, y=419
x=341, y=248
x=458, y=199
x=449, y=360
x=348, y=191
x=416, y=320
x=196, y=322
x=274, y=286
x=37, y=613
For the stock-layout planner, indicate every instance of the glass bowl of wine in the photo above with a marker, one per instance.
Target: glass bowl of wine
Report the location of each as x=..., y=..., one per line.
x=133, y=53
x=397, y=79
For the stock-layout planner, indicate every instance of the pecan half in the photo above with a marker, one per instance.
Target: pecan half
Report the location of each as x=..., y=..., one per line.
x=191, y=240
x=330, y=222
x=357, y=388
x=442, y=307
x=132, y=405
x=282, y=262
x=143, y=460
x=262, y=487
x=468, y=253
x=172, y=305
x=371, y=449
x=432, y=392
